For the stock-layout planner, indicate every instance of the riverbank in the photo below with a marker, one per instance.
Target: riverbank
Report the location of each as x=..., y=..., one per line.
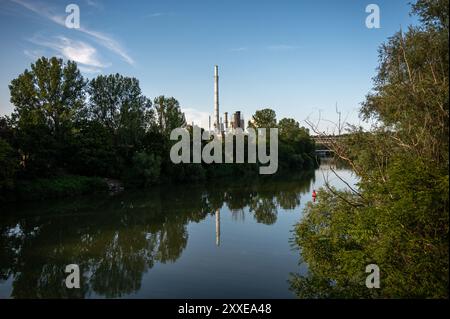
x=55, y=187
x=74, y=185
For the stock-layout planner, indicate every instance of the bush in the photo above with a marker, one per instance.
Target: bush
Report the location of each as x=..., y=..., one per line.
x=63, y=186
x=8, y=167
x=145, y=170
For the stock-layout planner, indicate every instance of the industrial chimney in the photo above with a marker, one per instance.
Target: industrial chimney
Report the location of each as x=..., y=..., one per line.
x=216, y=99
x=226, y=120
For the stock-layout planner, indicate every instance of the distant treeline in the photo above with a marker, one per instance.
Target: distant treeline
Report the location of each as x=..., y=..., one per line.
x=65, y=128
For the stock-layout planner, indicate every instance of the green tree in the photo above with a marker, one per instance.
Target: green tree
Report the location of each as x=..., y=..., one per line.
x=145, y=170
x=47, y=99
x=169, y=114
x=288, y=128
x=95, y=152
x=117, y=103
x=9, y=165
x=296, y=149
x=265, y=118
x=398, y=218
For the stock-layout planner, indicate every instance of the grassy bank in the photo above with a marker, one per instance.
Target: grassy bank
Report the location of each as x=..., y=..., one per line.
x=57, y=187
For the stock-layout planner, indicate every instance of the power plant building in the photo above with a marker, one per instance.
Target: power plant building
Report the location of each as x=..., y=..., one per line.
x=237, y=119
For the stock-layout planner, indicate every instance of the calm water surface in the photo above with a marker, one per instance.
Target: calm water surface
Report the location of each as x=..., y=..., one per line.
x=231, y=240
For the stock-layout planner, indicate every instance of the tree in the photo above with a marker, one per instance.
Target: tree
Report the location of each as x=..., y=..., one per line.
x=47, y=99
x=398, y=217
x=265, y=118
x=297, y=149
x=169, y=114
x=94, y=147
x=145, y=170
x=9, y=165
x=117, y=103
x=288, y=128
x=6, y=129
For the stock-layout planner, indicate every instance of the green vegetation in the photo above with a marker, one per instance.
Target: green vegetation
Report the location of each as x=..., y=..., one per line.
x=57, y=187
x=9, y=164
x=398, y=218
x=65, y=126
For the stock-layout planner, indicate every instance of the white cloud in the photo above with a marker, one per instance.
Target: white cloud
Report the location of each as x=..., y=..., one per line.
x=78, y=51
x=101, y=38
x=199, y=118
x=109, y=43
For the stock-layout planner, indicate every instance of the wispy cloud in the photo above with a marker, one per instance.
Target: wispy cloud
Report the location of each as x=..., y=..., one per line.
x=41, y=10
x=34, y=54
x=101, y=38
x=109, y=43
x=78, y=51
x=94, y=3
x=159, y=14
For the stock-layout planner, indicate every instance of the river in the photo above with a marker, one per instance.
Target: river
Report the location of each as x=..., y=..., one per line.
x=232, y=239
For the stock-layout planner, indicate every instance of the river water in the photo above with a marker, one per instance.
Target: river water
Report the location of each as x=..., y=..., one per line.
x=230, y=239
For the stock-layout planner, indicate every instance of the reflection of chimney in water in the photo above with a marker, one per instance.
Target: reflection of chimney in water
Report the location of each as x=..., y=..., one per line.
x=218, y=227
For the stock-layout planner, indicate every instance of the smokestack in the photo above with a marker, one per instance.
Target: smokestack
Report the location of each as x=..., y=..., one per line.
x=237, y=119
x=226, y=120
x=216, y=98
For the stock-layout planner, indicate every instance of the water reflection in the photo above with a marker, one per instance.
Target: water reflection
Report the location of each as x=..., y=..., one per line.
x=116, y=240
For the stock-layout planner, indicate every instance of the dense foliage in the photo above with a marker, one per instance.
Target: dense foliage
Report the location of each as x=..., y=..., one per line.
x=398, y=218
x=63, y=124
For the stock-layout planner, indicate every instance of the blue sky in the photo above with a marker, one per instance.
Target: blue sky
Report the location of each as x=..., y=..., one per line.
x=297, y=57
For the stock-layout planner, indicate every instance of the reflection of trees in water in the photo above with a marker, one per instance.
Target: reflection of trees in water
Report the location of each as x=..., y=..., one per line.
x=115, y=240
x=113, y=246
x=335, y=163
x=264, y=198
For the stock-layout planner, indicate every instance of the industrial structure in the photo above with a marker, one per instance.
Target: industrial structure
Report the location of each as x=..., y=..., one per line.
x=217, y=123
x=229, y=124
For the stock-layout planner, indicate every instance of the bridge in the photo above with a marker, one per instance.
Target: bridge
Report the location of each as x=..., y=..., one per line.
x=326, y=141
x=324, y=144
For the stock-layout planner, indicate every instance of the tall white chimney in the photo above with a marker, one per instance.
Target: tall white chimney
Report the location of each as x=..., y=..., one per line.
x=216, y=99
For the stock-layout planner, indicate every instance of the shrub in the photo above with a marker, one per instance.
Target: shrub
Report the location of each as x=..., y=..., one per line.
x=63, y=186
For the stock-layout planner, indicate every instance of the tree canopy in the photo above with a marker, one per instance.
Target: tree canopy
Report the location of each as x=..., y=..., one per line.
x=398, y=217
x=106, y=127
